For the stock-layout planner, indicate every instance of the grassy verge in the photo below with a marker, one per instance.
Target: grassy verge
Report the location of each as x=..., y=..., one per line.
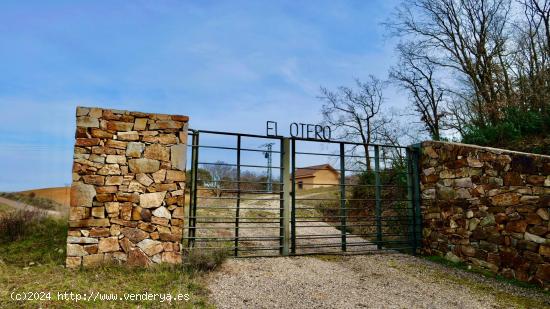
x=484, y=272
x=34, y=263
x=39, y=202
x=4, y=209
x=504, y=296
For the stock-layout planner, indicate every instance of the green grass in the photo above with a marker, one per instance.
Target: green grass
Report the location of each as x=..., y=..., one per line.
x=35, y=263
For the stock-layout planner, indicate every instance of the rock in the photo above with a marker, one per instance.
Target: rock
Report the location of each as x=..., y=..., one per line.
x=463, y=182
x=488, y=220
x=108, y=244
x=119, y=126
x=110, y=169
x=171, y=257
x=116, y=144
x=91, y=249
x=73, y=262
x=151, y=200
x=468, y=250
x=430, y=152
x=159, y=176
x=114, y=180
x=150, y=247
x=134, y=235
x=157, y=152
x=512, y=179
x=92, y=260
x=534, y=238
x=451, y=257
x=543, y=214
x=81, y=240
x=135, y=186
x=446, y=193
x=474, y=222
x=75, y=250
x=144, y=165
x=463, y=193
x=162, y=212
x=144, y=179
x=98, y=212
x=134, y=149
x=533, y=219
x=82, y=111
x=138, y=258
x=178, y=213
x=178, y=156
x=128, y=136
x=140, y=124
x=544, y=250
x=536, y=180
x=469, y=214
x=543, y=272
x=547, y=182
x=159, y=221
x=517, y=226
x=82, y=195
x=529, y=199
x=119, y=159
x=79, y=213
x=175, y=175
x=505, y=199
x=87, y=122
x=474, y=162
x=89, y=223
x=94, y=180
x=112, y=207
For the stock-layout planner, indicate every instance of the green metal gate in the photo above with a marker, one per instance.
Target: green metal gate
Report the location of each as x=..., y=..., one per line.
x=246, y=207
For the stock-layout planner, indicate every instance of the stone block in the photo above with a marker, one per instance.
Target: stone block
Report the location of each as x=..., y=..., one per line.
x=82, y=195
x=144, y=165
x=92, y=260
x=175, y=175
x=178, y=156
x=151, y=200
x=150, y=247
x=109, y=244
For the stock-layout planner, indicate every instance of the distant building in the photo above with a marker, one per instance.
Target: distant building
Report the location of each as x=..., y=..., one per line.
x=316, y=176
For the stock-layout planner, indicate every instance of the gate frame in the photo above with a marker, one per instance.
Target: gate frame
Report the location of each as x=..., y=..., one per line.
x=287, y=168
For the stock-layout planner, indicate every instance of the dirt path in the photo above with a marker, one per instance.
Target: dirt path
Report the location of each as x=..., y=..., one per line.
x=370, y=281
x=22, y=206
x=312, y=237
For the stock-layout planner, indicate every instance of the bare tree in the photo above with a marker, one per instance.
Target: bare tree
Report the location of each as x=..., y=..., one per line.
x=469, y=37
x=222, y=177
x=415, y=73
x=356, y=114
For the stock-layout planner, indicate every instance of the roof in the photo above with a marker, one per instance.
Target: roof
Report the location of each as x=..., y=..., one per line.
x=309, y=171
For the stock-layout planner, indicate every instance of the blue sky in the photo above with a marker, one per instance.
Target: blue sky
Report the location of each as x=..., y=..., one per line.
x=229, y=65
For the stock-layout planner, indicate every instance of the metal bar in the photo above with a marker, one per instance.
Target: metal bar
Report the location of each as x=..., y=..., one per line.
x=236, y=134
x=293, y=204
x=242, y=198
x=287, y=199
x=235, y=165
x=412, y=230
x=233, y=181
x=237, y=211
x=416, y=195
x=378, y=193
x=343, y=196
x=193, y=200
x=232, y=148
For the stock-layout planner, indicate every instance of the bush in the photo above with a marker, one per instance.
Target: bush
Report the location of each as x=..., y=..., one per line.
x=202, y=259
x=15, y=224
x=517, y=130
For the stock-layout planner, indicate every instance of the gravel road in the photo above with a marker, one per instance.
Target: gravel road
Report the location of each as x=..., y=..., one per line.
x=370, y=281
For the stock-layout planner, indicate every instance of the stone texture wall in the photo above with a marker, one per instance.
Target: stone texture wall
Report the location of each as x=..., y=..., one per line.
x=488, y=207
x=127, y=194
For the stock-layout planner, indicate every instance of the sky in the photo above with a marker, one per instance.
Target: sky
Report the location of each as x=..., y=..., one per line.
x=229, y=65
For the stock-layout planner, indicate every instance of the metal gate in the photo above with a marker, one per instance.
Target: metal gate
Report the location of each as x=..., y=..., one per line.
x=253, y=195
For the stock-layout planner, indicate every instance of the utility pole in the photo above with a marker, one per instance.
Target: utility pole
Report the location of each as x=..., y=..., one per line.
x=267, y=155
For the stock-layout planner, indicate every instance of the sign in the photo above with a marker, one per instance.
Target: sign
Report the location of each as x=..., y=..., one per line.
x=302, y=130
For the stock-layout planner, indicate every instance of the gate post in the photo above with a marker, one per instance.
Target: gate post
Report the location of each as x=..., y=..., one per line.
x=286, y=194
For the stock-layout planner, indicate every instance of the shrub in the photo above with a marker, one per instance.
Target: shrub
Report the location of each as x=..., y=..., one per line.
x=15, y=224
x=31, y=199
x=202, y=259
x=517, y=130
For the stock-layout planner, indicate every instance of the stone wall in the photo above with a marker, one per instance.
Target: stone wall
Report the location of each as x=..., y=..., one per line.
x=127, y=194
x=488, y=207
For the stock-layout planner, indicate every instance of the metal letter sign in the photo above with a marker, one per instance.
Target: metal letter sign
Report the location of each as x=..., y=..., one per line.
x=302, y=130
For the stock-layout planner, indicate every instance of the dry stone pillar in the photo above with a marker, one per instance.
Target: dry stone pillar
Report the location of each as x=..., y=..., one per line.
x=128, y=188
